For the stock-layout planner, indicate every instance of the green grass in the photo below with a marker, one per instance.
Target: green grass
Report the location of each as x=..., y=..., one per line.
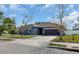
x=13, y=37
x=20, y=36
x=69, y=38
x=6, y=39
x=57, y=45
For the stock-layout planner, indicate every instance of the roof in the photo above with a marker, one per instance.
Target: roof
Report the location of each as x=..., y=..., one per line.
x=47, y=24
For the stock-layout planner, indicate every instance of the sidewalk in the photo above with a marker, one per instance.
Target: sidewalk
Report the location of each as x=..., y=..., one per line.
x=69, y=46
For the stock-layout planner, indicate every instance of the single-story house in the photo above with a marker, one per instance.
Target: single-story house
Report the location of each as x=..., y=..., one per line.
x=44, y=28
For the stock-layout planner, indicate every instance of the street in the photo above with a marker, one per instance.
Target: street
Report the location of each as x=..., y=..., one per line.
x=36, y=45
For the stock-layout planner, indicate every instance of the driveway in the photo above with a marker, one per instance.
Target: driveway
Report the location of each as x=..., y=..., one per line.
x=36, y=41
x=36, y=45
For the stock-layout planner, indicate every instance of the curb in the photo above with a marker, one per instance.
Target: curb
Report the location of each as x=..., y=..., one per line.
x=65, y=48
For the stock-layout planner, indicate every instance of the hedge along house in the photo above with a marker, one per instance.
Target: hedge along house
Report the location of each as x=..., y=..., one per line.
x=44, y=28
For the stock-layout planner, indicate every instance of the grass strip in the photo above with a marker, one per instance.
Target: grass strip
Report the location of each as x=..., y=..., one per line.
x=57, y=45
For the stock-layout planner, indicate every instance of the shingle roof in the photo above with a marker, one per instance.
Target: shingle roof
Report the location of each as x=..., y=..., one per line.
x=46, y=24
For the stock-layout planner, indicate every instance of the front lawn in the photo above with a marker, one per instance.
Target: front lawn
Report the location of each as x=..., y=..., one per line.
x=20, y=36
x=68, y=38
x=13, y=37
x=6, y=39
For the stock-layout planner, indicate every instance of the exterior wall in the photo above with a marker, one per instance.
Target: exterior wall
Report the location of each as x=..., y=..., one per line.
x=32, y=31
x=35, y=31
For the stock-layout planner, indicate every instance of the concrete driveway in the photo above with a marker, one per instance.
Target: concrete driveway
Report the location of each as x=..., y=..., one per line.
x=36, y=45
x=36, y=41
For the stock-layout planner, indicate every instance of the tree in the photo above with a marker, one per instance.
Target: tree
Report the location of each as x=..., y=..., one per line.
x=9, y=25
x=61, y=14
x=25, y=22
x=1, y=24
x=1, y=15
x=1, y=29
x=1, y=18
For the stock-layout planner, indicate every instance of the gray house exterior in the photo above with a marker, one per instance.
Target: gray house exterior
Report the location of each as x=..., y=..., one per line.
x=43, y=28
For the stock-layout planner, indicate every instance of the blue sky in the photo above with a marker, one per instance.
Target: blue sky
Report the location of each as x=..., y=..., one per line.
x=41, y=13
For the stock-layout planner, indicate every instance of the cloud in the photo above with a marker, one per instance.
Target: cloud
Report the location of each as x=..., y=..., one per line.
x=71, y=19
x=45, y=6
x=75, y=22
x=53, y=20
x=32, y=5
x=17, y=8
x=13, y=6
x=12, y=15
x=74, y=13
x=71, y=6
x=72, y=16
x=3, y=8
x=49, y=18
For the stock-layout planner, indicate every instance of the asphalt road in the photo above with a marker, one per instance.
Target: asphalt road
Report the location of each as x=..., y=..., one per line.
x=8, y=48
x=17, y=48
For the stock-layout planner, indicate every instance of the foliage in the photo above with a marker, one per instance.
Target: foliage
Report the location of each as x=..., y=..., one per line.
x=1, y=29
x=9, y=25
x=25, y=23
x=1, y=14
x=1, y=26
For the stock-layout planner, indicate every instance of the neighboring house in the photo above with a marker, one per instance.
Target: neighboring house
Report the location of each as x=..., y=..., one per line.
x=44, y=28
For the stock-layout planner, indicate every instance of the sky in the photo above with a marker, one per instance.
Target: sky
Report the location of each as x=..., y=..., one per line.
x=41, y=13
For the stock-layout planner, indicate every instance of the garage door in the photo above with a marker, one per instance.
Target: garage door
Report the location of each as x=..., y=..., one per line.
x=51, y=32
